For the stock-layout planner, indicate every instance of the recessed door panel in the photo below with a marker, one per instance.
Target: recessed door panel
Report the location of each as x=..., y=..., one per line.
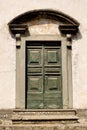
x=34, y=84
x=52, y=56
x=52, y=84
x=34, y=56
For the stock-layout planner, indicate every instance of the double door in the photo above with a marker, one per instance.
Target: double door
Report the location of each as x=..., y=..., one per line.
x=43, y=74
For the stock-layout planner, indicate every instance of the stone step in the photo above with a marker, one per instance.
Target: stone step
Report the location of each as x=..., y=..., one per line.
x=45, y=119
x=44, y=116
x=76, y=126
x=45, y=112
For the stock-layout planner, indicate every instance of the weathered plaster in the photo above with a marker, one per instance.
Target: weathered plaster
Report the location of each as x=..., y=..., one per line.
x=10, y=9
x=43, y=27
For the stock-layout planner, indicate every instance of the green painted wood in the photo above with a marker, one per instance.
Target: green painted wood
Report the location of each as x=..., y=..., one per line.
x=44, y=88
x=34, y=56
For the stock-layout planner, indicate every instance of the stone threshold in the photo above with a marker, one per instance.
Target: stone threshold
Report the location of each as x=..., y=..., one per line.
x=48, y=110
x=41, y=116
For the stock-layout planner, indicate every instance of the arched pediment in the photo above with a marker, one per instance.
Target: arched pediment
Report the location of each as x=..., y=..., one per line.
x=66, y=23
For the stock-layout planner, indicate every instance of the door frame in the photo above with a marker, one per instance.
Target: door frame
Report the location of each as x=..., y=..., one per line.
x=66, y=68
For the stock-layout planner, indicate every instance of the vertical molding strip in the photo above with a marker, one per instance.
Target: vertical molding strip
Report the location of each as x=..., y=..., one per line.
x=64, y=74
x=20, y=72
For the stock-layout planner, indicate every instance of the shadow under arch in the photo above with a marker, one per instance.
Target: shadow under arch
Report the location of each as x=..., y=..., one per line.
x=68, y=25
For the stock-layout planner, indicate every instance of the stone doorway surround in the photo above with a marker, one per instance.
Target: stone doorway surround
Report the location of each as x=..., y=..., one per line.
x=62, y=28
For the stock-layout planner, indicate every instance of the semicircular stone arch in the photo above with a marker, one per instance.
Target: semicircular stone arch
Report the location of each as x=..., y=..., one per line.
x=43, y=22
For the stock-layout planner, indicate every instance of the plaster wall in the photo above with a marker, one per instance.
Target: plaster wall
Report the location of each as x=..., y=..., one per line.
x=10, y=9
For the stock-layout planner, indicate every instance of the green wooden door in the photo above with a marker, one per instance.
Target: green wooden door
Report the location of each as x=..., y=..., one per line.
x=44, y=88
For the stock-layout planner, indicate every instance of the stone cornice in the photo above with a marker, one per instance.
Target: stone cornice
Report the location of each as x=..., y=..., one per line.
x=68, y=29
x=18, y=29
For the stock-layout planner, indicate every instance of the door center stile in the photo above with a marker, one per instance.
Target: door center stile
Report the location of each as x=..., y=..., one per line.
x=43, y=74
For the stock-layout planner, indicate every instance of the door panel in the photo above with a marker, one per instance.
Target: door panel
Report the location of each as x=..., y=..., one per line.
x=44, y=88
x=52, y=104
x=52, y=84
x=34, y=84
x=52, y=70
x=52, y=56
x=35, y=101
x=34, y=57
x=34, y=70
